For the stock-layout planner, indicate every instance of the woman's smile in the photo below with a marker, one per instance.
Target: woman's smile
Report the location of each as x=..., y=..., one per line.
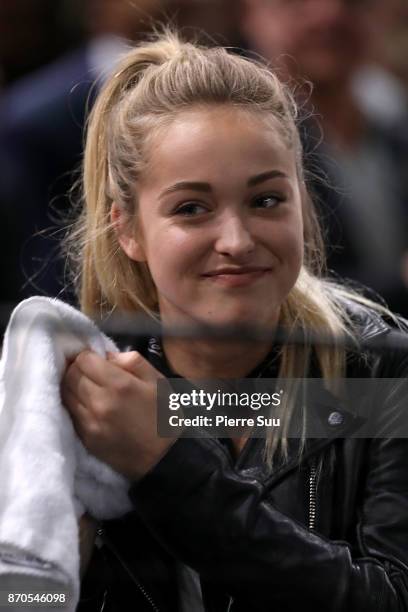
x=238, y=276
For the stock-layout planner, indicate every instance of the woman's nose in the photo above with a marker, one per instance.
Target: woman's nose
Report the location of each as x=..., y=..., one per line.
x=234, y=237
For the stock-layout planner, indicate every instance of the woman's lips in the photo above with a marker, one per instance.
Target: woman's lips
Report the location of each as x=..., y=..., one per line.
x=237, y=278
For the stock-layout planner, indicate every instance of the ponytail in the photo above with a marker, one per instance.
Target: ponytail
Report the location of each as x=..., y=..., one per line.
x=97, y=293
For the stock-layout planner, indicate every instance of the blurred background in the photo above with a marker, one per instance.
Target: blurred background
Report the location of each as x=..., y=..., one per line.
x=348, y=60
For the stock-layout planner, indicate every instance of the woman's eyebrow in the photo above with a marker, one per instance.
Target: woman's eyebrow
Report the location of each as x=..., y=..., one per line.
x=187, y=186
x=206, y=187
x=265, y=176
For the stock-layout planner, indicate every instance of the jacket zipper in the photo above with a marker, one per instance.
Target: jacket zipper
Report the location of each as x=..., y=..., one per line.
x=312, y=506
x=312, y=495
x=101, y=533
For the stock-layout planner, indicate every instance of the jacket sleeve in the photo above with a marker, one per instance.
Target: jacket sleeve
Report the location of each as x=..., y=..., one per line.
x=217, y=520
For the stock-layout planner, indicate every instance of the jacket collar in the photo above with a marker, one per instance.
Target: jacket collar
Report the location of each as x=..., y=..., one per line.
x=333, y=421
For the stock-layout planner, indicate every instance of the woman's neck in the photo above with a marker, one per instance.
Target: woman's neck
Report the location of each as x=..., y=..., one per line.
x=213, y=359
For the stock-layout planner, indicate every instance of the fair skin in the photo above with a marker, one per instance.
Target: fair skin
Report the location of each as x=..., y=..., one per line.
x=324, y=41
x=226, y=248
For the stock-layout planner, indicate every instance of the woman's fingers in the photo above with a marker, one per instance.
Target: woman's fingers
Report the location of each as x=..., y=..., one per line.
x=78, y=411
x=79, y=384
x=104, y=372
x=94, y=367
x=134, y=363
x=113, y=404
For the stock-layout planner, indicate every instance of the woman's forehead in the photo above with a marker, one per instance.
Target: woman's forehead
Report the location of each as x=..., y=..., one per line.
x=204, y=139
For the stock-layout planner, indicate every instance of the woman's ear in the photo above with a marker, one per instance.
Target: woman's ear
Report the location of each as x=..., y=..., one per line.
x=126, y=235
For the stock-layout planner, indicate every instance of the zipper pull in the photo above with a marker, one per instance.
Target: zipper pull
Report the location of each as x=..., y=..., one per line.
x=312, y=494
x=98, y=538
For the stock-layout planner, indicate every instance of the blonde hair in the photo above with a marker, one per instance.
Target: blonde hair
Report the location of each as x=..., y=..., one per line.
x=154, y=82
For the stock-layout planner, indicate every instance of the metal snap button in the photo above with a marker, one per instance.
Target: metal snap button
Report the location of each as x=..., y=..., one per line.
x=335, y=418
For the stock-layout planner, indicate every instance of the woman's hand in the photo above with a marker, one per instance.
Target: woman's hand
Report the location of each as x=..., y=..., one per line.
x=112, y=403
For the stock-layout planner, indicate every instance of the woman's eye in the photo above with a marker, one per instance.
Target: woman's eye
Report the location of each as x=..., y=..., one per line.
x=190, y=209
x=267, y=201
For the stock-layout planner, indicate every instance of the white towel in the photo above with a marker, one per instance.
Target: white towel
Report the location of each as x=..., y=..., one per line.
x=47, y=478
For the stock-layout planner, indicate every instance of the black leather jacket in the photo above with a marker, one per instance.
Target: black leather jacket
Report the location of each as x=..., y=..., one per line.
x=281, y=541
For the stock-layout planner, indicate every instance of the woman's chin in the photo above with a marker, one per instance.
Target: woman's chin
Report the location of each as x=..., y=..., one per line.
x=241, y=318
x=222, y=315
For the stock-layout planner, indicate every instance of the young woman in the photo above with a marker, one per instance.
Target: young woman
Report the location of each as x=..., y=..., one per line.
x=196, y=211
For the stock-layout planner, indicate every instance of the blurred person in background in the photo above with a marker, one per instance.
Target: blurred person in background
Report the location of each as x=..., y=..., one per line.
x=215, y=20
x=32, y=33
x=378, y=84
x=328, y=42
x=42, y=119
x=41, y=131
x=395, y=43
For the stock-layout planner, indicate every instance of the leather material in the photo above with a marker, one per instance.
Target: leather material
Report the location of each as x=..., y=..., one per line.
x=246, y=529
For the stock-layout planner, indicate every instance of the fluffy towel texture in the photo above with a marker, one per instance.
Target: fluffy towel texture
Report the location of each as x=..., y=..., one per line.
x=47, y=478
